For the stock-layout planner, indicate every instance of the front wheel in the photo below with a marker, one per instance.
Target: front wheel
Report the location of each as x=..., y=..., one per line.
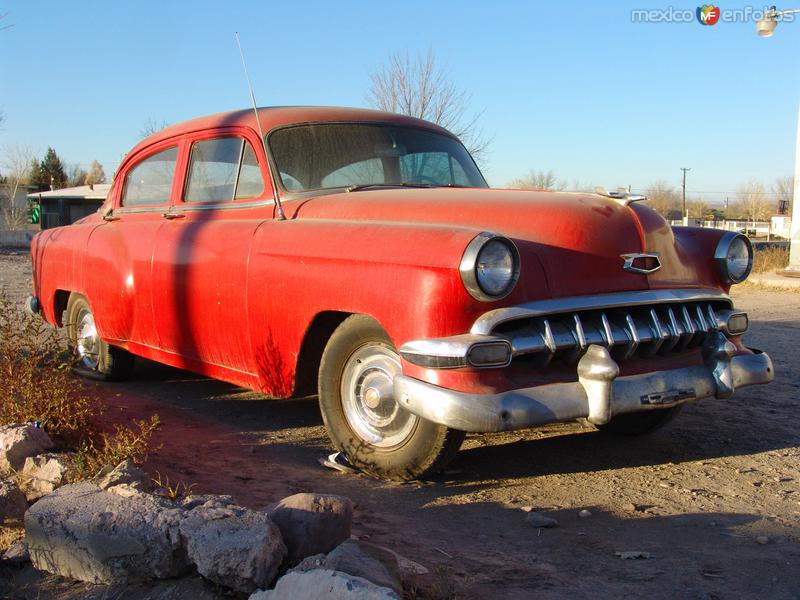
x=94, y=357
x=363, y=420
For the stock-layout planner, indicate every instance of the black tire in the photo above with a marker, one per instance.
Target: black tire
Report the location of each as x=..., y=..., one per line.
x=100, y=361
x=640, y=423
x=423, y=448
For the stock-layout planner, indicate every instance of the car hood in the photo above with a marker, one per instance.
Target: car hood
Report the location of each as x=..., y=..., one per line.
x=570, y=243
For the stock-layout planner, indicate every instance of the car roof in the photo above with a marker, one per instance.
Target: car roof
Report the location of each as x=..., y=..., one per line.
x=277, y=116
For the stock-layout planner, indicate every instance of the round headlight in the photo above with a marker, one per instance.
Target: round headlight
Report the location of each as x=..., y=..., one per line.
x=490, y=267
x=734, y=256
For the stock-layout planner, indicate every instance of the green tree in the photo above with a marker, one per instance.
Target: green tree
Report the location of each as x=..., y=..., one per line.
x=36, y=177
x=50, y=172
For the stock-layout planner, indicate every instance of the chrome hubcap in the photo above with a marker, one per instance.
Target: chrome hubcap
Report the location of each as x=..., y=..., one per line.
x=88, y=342
x=368, y=397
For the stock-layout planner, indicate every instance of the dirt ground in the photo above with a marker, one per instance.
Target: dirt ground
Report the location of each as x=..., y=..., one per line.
x=699, y=496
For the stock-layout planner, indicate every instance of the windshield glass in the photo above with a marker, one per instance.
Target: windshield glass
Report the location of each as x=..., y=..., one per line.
x=331, y=155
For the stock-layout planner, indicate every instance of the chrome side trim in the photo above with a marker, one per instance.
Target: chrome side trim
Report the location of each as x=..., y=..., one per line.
x=184, y=207
x=598, y=395
x=486, y=323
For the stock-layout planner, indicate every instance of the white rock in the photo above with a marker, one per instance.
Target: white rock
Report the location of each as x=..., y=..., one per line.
x=125, y=473
x=324, y=583
x=312, y=523
x=44, y=473
x=585, y=514
x=85, y=533
x=18, y=442
x=360, y=559
x=17, y=554
x=763, y=540
x=233, y=546
x=12, y=501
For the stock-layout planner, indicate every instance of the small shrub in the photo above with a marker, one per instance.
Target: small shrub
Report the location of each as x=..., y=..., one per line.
x=172, y=492
x=770, y=260
x=38, y=385
x=109, y=449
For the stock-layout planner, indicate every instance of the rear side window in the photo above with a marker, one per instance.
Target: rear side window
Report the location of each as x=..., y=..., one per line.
x=150, y=181
x=223, y=169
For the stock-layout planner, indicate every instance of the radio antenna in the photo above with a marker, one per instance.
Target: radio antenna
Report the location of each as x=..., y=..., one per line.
x=278, y=206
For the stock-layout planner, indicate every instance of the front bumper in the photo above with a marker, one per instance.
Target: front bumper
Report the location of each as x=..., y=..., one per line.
x=598, y=395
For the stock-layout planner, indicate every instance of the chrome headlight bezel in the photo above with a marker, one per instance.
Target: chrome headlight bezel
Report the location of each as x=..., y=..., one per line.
x=469, y=267
x=722, y=256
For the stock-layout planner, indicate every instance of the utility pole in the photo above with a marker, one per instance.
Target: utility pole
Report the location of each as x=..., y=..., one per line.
x=683, y=185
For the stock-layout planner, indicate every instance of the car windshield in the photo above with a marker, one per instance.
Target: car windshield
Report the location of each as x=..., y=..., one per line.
x=332, y=155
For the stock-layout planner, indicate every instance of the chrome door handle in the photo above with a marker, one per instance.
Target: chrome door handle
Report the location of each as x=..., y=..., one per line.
x=170, y=216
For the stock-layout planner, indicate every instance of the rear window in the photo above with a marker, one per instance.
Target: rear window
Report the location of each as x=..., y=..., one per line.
x=150, y=181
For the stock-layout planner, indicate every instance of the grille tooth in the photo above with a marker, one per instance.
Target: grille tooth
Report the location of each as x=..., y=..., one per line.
x=633, y=336
x=641, y=331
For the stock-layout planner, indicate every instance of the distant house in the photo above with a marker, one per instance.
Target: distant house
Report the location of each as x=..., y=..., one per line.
x=67, y=205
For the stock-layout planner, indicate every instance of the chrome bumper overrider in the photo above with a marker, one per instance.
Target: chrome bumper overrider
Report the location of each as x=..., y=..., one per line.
x=598, y=395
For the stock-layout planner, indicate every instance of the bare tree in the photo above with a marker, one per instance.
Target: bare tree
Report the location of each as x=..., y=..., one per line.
x=419, y=88
x=753, y=201
x=17, y=166
x=96, y=174
x=151, y=126
x=698, y=209
x=538, y=180
x=663, y=198
x=76, y=176
x=783, y=188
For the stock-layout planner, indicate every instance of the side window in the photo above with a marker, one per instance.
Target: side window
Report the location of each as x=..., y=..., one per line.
x=250, y=183
x=222, y=169
x=150, y=181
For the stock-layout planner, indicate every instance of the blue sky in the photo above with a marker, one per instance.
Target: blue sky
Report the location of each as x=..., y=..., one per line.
x=577, y=88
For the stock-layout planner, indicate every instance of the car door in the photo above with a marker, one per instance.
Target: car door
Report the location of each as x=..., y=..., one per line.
x=119, y=252
x=200, y=262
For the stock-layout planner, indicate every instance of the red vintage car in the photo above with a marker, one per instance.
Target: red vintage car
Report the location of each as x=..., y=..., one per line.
x=360, y=255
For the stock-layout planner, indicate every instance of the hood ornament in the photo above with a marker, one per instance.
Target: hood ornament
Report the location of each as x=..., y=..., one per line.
x=641, y=263
x=620, y=196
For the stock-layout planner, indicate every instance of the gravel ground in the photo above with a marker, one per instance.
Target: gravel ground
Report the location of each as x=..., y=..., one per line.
x=713, y=499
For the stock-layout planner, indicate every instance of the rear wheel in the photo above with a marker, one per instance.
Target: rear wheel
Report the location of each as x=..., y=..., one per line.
x=94, y=357
x=640, y=423
x=363, y=419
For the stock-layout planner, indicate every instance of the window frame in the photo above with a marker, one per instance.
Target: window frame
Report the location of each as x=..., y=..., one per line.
x=243, y=133
x=139, y=158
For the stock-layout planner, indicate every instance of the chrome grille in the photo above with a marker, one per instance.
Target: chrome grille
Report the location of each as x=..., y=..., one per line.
x=628, y=332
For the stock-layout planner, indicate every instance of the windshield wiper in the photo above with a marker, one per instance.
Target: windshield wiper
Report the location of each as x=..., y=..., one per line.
x=363, y=186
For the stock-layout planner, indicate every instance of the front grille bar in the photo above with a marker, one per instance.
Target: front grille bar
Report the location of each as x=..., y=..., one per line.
x=641, y=331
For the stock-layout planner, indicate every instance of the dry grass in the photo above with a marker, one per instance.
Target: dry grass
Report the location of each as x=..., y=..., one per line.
x=109, y=449
x=770, y=260
x=39, y=385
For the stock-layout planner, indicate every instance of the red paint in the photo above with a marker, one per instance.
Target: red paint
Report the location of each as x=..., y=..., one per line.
x=231, y=293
